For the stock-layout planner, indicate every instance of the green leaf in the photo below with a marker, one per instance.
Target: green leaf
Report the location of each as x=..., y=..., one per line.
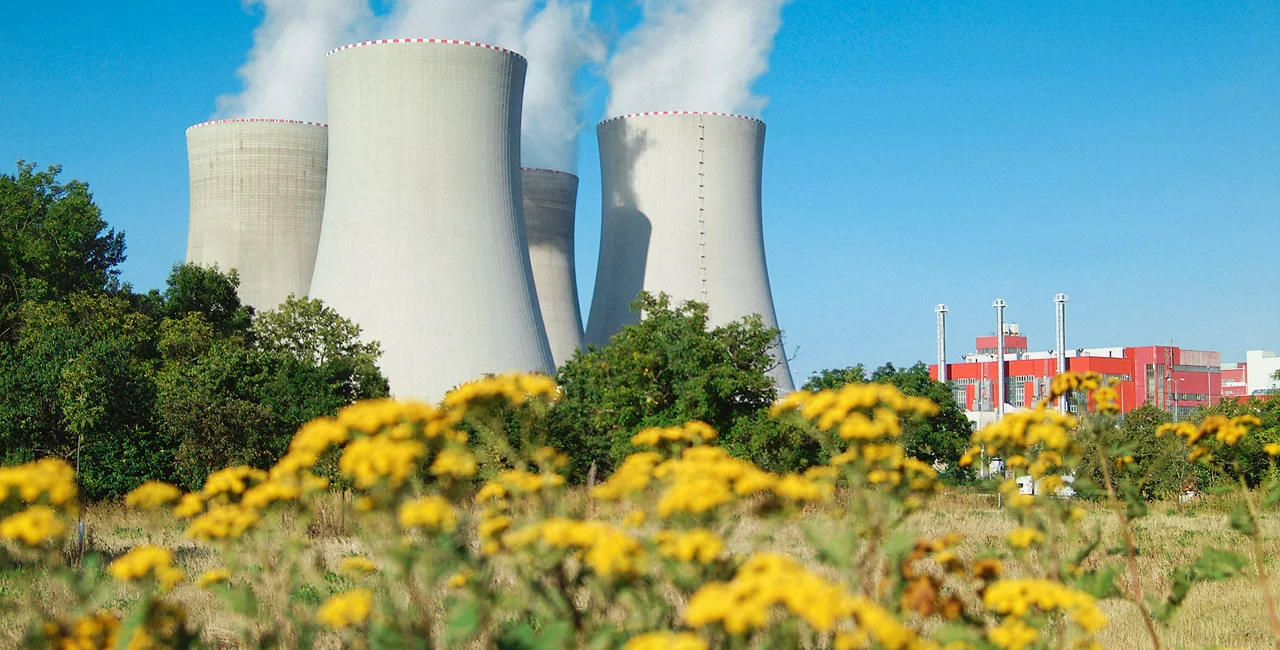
x=1100, y=583
x=463, y=622
x=1217, y=564
x=1241, y=521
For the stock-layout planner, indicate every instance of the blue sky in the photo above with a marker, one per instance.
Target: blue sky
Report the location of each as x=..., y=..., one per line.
x=1125, y=153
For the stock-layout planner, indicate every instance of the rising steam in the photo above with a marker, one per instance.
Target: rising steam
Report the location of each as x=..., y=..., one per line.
x=284, y=76
x=699, y=55
x=557, y=38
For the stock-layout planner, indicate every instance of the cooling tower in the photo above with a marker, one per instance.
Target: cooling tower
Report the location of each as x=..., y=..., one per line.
x=257, y=198
x=423, y=241
x=550, y=198
x=682, y=215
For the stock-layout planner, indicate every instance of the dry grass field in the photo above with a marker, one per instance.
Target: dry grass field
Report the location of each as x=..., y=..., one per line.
x=1226, y=614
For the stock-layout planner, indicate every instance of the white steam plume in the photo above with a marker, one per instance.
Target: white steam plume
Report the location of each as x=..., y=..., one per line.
x=557, y=38
x=699, y=55
x=284, y=74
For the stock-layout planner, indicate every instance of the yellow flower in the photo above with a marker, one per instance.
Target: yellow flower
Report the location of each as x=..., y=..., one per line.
x=144, y=561
x=460, y=579
x=232, y=480
x=634, y=519
x=316, y=436
x=666, y=641
x=48, y=477
x=371, y=459
x=1017, y=598
x=358, y=565
x=432, y=512
x=1013, y=634
x=1024, y=537
x=455, y=462
x=265, y=494
x=90, y=632
x=213, y=577
x=292, y=463
x=152, y=494
x=189, y=506
x=516, y=389
x=608, y=551
x=1271, y=448
x=347, y=609
x=34, y=526
x=798, y=488
x=686, y=546
x=228, y=521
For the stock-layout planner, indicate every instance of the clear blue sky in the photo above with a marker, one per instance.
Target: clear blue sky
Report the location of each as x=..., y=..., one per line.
x=1125, y=153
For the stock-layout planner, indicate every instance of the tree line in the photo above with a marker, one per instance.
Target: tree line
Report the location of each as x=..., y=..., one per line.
x=172, y=384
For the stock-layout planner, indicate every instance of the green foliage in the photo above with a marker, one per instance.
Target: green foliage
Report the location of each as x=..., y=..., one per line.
x=1251, y=461
x=167, y=385
x=942, y=437
x=668, y=369
x=53, y=242
x=1160, y=467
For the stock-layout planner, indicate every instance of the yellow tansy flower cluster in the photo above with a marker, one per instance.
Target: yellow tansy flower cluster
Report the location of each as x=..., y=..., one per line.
x=228, y=521
x=358, y=565
x=231, y=481
x=515, y=388
x=146, y=561
x=88, y=632
x=609, y=551
x=686, y=546
x=213, y=577
x=1217, y=428
x=348, y=609
x=34, y=526
x=1024, y=537
x=1017, y=598
x=371, y=459
x=695, y=432
x=666, y=641
x=857, y=411
x=151, y=495
x=430, y=512
x=51, y=478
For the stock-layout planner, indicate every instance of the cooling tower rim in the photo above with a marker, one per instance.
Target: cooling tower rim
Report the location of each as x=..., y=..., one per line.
x=544, y=169
x=661, y=113
x=257, y=120
x=437, y=41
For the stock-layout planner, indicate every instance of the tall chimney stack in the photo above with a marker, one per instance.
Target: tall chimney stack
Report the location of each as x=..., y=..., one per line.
x=1060, y=303
x=1000, y=304
x=942, y=342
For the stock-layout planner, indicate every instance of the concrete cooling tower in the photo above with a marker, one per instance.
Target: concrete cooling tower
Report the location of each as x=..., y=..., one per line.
x=682, y=215
x=423, y=241
x=550, y=199
x=257, y=198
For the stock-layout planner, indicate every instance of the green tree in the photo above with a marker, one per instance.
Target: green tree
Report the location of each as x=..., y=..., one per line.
x=1255, y=463
x=191, y=288
x=1160, y=461
x=667, y=369
x=82, y=376
x=53, y=242
x=941, y=437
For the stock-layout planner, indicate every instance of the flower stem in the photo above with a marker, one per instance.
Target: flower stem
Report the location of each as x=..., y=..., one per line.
x=1256, y=536
x=1130, y=549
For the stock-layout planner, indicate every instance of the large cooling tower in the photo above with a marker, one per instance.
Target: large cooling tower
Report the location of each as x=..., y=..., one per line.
x=682, y=215
x=550, y=199
x=257, y=197
x=423, y=242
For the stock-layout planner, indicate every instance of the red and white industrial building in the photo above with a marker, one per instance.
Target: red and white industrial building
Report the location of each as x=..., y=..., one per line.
x=1171, y=378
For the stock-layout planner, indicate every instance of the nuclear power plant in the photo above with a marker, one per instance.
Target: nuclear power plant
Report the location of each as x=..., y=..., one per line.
x=257, y=199
x=412, y=216
x=550, y=199
x=681, y=214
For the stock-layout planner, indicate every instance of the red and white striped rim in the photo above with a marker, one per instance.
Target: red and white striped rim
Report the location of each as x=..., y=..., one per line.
x=544, y=169
x=653, y=113
x=440, y=41
x=267, y=120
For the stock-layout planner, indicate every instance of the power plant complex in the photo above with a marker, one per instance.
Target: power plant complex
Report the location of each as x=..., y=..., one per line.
x=410, y=215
